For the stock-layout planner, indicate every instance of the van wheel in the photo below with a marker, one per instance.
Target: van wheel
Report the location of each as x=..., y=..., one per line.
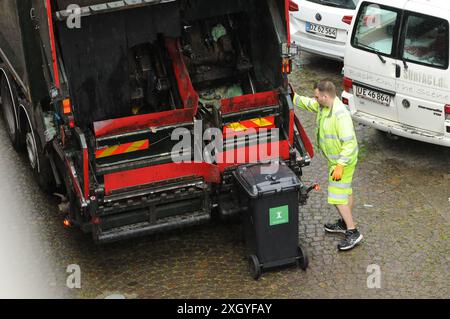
x=39, y=162
x=8, y=94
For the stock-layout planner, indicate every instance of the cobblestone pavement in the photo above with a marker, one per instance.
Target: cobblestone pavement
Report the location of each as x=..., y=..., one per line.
x=402, y=206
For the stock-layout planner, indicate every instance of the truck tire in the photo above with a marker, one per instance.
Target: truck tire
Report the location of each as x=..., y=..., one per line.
x=9, y=105
x=39, y=162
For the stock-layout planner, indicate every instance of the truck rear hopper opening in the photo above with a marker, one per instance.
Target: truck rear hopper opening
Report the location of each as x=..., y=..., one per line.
x=117, y=64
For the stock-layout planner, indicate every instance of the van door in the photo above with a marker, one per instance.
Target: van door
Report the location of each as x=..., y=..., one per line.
x=423, y=88
x=370, y=59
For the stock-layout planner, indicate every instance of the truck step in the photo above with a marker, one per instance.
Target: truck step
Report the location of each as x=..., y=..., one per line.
x=148, y=228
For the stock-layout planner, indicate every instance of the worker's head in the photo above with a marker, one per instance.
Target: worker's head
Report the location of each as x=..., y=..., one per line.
x=325, y=93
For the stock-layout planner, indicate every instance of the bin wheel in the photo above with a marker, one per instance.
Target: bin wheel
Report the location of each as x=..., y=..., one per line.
x=254, y=267
x=303, y=260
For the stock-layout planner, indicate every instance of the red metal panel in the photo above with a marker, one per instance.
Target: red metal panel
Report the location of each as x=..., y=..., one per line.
x=186, y=89
x=140, y=122
x=288, y=25
x=86, y=172
x=74, y=179
x=254, y=149
x=243, y=102
x=52, y=43
x=153, y=174
x=291, y=126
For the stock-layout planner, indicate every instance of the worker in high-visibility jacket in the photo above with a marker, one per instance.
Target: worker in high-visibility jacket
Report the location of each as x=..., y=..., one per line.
x=336, y=139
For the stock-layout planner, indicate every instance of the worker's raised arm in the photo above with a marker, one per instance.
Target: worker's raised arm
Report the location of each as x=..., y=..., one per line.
x=347, y=136
x=306, y=103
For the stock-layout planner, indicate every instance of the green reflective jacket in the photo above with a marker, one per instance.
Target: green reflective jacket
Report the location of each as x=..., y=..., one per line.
x=335, y=132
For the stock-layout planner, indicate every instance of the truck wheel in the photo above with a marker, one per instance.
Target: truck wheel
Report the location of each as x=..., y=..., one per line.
x=38, y=161
x=8, y=94
x=303, y=260
x=254, y=267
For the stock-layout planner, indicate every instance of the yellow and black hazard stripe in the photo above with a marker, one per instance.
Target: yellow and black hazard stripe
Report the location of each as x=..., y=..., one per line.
x=122, y=149
x=262, y=122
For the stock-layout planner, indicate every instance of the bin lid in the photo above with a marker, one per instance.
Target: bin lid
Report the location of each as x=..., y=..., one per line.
x=257, y=183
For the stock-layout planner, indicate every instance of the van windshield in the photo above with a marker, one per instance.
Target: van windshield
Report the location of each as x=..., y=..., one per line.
x=375, y=29
x=344, y=4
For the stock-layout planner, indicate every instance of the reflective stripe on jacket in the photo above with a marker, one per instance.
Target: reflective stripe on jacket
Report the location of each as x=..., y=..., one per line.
x=335, y=132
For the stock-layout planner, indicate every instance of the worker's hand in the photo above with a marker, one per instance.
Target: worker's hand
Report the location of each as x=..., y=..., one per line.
x=337, y=173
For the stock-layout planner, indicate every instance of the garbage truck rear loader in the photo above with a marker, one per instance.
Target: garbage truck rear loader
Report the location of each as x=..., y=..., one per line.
x=96, y=91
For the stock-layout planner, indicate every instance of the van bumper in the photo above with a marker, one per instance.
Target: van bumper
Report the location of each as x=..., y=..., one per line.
x=401, y=129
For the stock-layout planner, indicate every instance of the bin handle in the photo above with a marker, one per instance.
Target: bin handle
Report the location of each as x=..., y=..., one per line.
x=314, y=187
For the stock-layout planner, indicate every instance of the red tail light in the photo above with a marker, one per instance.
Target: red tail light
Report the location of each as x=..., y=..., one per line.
x=71, y=122
x=293, y=6
x=347, y=19
x=447, y=116
x=348, y=84
x=67, y=106
x=67, y=223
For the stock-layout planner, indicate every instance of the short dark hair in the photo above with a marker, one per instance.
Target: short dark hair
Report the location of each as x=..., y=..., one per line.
x=326, y=86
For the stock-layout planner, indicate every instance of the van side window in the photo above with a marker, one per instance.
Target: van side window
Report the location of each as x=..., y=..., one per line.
x=426, y=41
x=375, y=29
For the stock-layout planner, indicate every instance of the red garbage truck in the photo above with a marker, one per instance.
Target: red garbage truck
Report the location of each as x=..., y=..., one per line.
x=94, y=91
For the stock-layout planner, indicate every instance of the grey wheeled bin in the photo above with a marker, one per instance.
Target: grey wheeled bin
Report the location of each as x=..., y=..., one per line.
x=270, y=218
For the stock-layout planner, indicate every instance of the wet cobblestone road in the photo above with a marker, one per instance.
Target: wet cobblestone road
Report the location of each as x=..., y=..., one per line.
x=402, y=206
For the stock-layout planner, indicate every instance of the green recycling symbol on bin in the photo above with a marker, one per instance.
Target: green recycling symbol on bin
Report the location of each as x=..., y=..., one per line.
x=279, y=215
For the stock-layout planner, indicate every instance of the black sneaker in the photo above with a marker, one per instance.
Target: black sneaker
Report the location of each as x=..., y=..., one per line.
x=352, y=238
x=337, y=227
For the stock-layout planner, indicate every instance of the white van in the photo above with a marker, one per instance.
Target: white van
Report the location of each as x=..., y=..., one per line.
x=396, y=68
